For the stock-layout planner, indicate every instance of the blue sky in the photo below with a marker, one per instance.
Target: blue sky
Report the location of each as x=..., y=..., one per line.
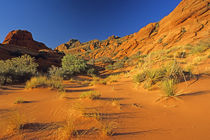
x=57, y=21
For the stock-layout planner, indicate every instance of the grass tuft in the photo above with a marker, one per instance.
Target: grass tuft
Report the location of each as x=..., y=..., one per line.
x=19, y=101
x=108, y=128
x=16, y=123
x=43, y=81
x=93, y=95
x=169, y=87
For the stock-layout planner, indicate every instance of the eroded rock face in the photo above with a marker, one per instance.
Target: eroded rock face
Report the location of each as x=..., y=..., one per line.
x=68, y=45
x=20, y=42
x=23, y=38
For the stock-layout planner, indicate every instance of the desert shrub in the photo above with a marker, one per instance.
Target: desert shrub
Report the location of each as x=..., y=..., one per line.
x=108, y=128
x=91, y=72
x=106, y=60
x=17, y=69
x=181, y=54
x=111, y=79
x=199, y=48
x=119, y=64
x=68, y=129
x=150, y=77
x=93, y=95
x=43, y=81
x=140, y=77
x=108, y=80
x=199, y=59
x=168, y=86
x=19, y=101
x=135, y=56
x=72, y=64
x=155, y=75
x=174, y=71
x=91, y=61
x=55, y=72
x=170, y=70
x=125, y=58
x=109, y=67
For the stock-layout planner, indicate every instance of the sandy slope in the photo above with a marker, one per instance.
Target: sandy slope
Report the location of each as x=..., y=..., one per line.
x=138, y=116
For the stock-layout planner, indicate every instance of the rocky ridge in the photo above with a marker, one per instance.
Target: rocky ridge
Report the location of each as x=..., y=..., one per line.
x=188, y=23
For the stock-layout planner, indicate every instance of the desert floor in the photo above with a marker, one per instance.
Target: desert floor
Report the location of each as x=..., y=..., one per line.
x=136, y=113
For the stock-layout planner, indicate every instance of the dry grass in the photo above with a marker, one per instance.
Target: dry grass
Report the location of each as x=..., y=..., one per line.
x=15, y=123
x=107, y=129
x=169, y=87
x=43, y=81
x=96, y=115
x=19, y=101
x=67, y=131
x=106, y=81
x=116, y=103
x=92, y=95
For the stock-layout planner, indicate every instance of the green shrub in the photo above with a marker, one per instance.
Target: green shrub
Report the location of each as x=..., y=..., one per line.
x=93, y=95
x=108, y=128
x=168, y=86
x=171, y=70
x=91, y=72
x=72, y=64
x=140, y=77
x=55, y=72
x=174, y=71
x=106, y=60
x=119, y=64
x=155, y=75
x=43, y=81
x=109, y=67
x=91, y=62
x=17, y=69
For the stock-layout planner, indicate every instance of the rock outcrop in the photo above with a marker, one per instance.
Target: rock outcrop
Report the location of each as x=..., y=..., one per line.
x=20, y=42
x=73, y=43
x=23, y=38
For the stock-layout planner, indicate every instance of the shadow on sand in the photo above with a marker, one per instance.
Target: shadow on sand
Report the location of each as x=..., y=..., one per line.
x=195, y=93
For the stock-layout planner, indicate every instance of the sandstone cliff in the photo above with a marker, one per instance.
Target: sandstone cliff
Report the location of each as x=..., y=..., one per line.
x=188, y=23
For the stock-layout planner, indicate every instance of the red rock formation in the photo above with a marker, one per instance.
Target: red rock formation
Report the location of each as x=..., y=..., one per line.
x=20, y=42
x=188, y=23
x=23, y=38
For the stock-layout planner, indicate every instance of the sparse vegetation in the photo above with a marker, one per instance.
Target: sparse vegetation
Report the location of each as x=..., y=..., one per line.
x=19, y=101
x=17, y=69
x=72, y=64
x=106, y=60
x=169, y=87
x=96, y=115
x=91, y=72
x=181, y=54
x=199, y=48
x=93, y=95
x=43, y=81
x=108, y=80
x=140, y=77
x=117, y=65
x=108, y=128
x=16, y=122
x=56, y=72
x=68, y=129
